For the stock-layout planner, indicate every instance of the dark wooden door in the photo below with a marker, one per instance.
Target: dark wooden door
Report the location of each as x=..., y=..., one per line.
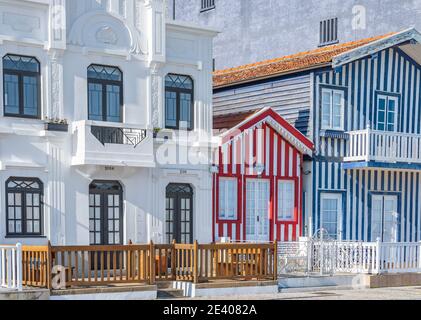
x=179, y=213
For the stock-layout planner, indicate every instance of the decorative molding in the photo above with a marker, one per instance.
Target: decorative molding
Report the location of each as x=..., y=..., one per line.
x=56, y=78
x=376, y=46
x=106, y=20
x=106, y=35
x=58, y=20
x=155, y=93
x=20, y=22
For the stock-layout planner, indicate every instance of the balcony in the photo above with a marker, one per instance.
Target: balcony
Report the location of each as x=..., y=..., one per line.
x=111, y=144
x=386, y=147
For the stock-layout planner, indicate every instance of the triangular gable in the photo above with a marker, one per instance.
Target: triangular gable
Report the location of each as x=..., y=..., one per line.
x=376, y=46
x=279, y=124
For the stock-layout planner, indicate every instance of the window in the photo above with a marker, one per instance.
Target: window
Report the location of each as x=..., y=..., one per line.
x=331, y=210
x=333, y=109
x=286, y=200
x=207, y=5
x=21, y=83
x=328, y=31
x=386, y=112
x=228, y=199
x=24, y=203
x=178, y=102
x=105, y=98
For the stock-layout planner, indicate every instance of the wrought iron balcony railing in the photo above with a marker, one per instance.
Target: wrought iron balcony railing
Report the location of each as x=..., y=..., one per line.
x=112, y=135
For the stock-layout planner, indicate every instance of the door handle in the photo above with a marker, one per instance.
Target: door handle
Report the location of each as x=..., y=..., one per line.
x=258, y=219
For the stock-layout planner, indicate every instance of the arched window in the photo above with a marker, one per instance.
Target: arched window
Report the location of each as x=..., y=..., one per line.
x=105, y=93
x=179, y=102
x=24, y=207
x=21, y=83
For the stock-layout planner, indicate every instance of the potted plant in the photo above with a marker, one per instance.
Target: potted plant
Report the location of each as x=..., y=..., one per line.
x=155, y=132
x=59, y=125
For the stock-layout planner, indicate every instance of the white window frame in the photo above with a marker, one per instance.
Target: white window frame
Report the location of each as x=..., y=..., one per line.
x=339, y=198
x=283, y=207
x=225, y=208
x=386, y=124
x=332, y=93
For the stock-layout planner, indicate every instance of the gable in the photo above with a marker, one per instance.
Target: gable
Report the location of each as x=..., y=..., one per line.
x=269, y=118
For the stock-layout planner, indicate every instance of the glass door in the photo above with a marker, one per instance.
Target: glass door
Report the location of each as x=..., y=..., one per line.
x=384, y=218
x=257, y=213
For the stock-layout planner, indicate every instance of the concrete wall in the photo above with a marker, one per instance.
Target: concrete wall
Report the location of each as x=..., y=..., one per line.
x=254, y=30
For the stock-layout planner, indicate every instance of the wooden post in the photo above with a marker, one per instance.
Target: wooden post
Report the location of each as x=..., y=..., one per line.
x=173, y=261
x=196, y=262
x=275, y=261
x=49, y=266
x=152, y=274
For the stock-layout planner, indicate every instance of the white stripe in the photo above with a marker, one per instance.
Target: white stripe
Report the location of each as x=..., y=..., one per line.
x=290, y=232
x=283, y=233
x=267, y=143
x=234, y=156
x=283, y=162
x=291, y=162
x=275, y=155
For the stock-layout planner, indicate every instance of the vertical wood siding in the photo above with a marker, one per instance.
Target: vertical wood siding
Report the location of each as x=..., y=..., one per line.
x=391, y=71
x=282, y=162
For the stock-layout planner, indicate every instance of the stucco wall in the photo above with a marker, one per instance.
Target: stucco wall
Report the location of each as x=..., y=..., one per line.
x=254, y=30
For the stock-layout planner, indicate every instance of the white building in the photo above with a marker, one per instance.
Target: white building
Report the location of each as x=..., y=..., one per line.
x=115, y=71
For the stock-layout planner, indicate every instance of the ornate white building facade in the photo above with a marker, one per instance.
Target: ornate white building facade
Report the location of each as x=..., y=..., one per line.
x=98, y=99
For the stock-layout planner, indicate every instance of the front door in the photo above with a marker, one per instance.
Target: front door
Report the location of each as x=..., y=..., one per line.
x=105, y=213
x=179, y=213
x=384, y=218
x=258, y=202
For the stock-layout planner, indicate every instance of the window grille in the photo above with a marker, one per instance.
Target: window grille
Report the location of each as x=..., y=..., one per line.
x=328, y=32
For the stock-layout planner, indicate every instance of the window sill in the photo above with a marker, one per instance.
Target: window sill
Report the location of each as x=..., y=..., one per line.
x=25, y=237
x=207, y=9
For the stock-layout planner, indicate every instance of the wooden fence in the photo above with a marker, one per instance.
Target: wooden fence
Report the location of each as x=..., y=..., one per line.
x=67, y=266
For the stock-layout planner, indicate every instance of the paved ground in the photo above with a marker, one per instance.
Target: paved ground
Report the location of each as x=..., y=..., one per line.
x=406, y=293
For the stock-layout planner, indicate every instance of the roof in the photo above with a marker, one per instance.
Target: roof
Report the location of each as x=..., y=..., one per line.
x=228, y=121
x=279, y=124
x=292, y=63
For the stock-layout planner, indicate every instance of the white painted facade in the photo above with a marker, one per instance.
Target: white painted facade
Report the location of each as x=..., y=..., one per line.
x=66, y=37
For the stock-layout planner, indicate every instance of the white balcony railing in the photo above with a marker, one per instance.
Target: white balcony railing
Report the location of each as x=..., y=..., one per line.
x=371, y=145
x=112, y=144
x=11, y=267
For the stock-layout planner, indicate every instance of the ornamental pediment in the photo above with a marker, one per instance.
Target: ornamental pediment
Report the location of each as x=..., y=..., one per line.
x=104, y=30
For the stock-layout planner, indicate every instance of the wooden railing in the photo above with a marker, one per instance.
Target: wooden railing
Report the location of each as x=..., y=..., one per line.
x=67, y=266
x=372, y=145
x=36, y=266
x=103, y=265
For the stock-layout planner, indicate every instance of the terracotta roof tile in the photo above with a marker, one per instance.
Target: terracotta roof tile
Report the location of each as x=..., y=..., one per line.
x=290, y=63
x=229, y=121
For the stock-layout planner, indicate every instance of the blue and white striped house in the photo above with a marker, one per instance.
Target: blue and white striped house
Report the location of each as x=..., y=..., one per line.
x=360, y=103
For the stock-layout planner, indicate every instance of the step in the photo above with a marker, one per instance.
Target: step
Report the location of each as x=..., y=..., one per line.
x=170, y=294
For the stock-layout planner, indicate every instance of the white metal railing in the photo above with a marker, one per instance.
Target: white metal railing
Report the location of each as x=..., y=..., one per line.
x=373, y=145
x=11, y=267
x=329, y=257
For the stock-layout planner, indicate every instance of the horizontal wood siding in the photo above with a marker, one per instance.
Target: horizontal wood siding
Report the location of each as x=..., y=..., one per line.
x=291, y=98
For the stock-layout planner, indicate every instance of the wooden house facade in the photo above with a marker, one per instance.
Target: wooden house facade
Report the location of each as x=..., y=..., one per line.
x=360, y=104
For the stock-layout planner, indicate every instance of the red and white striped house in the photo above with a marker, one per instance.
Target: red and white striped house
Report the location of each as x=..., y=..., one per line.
x=258, y=179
